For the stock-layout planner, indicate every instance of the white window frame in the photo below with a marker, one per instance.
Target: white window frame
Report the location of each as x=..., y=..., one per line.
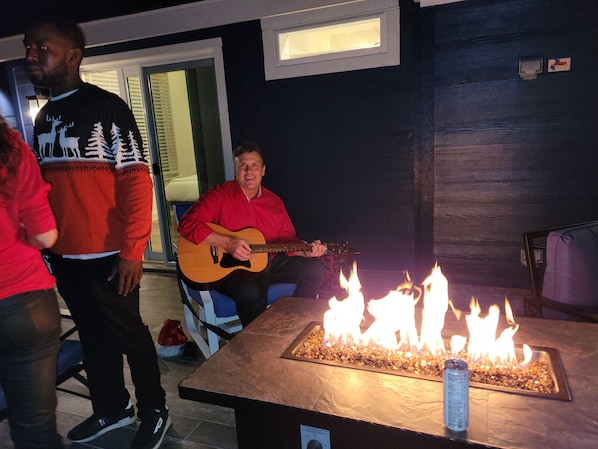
x=387, y=54
x=132, y=63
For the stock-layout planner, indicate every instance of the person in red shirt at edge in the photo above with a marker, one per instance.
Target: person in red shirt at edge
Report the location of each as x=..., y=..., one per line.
x=245, y=203
x=29, y=314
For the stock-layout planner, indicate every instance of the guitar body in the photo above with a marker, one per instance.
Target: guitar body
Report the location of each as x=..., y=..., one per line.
x=206, y=266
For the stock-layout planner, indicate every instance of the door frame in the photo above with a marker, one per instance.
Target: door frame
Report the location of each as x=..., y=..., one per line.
x=133, y=63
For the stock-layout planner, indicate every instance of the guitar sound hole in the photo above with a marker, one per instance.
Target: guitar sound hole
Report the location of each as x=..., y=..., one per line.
x=229, y=261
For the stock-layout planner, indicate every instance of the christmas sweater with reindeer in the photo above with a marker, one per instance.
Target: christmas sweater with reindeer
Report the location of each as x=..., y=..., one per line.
x=90, y=151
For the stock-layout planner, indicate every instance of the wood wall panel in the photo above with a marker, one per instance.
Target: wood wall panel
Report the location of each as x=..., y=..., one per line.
x=511, y=155
x=339, y=147
x=449, y=156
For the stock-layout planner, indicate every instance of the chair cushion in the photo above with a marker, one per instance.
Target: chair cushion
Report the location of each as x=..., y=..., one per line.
x=180, y=209
x=571, y=267
x=70, y=354
x=225, y=306
x=2, y=399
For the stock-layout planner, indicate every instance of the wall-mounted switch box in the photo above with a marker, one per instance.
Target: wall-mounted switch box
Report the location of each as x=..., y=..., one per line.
x=538, y=256
x=559, y=65
x=314, y=438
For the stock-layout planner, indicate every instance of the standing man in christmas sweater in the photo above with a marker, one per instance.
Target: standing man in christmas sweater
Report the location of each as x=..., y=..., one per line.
x=90, y=151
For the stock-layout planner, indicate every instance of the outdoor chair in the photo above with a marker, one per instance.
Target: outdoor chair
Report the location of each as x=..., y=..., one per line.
x=565, y=284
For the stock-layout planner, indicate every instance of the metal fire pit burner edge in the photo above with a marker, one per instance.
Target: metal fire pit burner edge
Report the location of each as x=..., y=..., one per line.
x=550, y=356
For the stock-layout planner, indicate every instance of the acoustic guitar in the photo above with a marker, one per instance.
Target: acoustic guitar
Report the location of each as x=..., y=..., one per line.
x=207, y=265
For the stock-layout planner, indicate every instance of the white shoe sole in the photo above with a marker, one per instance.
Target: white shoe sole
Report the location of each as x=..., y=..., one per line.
x=117, y=425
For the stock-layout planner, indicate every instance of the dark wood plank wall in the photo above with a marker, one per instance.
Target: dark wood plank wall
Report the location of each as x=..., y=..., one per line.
x=340, y=147
x=511, y=155
x=449, y=156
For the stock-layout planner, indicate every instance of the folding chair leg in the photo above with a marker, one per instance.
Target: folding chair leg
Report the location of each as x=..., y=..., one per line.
x=213, y=342
x=193, y=326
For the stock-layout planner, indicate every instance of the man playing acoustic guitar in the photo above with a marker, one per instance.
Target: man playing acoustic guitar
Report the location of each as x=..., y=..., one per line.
x=245, y=203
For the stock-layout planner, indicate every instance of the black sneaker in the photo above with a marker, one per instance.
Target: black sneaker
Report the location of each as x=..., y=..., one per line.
x=152, y=430
x=95, y=425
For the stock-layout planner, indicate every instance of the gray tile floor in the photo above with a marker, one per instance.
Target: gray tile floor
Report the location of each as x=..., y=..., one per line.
x=204, y=426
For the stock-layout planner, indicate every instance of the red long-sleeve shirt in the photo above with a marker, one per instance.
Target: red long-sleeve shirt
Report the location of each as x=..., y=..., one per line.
x=227, y=206
x=24, y=210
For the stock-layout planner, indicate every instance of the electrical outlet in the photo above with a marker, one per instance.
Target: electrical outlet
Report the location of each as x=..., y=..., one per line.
x=538, y=257
x=314, y=438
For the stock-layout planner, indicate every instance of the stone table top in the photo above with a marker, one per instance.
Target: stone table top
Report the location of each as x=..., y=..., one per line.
x=250, y=366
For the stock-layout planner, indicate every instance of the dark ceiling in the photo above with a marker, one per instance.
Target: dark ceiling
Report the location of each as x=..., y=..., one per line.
x=14, y=15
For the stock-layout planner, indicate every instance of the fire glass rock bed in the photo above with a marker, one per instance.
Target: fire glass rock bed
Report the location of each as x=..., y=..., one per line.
x=543, y=377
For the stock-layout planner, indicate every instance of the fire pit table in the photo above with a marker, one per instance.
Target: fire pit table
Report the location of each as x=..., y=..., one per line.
x=275, y=397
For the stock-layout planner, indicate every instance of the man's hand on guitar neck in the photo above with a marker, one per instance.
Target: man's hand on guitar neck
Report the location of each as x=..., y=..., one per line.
x=241, y=250
x=318, y=249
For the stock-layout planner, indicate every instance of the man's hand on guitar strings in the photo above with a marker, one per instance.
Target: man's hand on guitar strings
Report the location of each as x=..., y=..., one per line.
x=239, y=249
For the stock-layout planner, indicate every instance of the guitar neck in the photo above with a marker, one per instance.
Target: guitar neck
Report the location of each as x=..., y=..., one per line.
x=280, y=247
x=260, y=246
x=207, y=265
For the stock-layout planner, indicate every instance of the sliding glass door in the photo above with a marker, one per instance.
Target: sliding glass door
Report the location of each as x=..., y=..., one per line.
x=184, y=136
x=180, y=108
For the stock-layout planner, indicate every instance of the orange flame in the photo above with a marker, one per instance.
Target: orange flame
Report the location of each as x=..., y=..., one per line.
x=343, y=319
x=395, y=315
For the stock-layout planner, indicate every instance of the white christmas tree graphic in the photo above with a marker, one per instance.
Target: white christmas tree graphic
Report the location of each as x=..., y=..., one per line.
x=97, y=146
x=135, y=150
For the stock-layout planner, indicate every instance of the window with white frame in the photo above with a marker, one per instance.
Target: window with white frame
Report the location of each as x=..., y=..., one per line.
x=353, y=36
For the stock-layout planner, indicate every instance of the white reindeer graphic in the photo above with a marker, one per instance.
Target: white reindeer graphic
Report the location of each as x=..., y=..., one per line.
x=68, y=144
x=46, y=141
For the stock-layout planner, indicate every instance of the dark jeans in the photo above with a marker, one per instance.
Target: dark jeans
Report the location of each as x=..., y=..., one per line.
x=29, y=339
x=250, y=292
x=109, y=326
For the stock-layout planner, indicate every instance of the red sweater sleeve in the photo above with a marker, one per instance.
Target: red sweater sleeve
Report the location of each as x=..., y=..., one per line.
x=134, y=201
